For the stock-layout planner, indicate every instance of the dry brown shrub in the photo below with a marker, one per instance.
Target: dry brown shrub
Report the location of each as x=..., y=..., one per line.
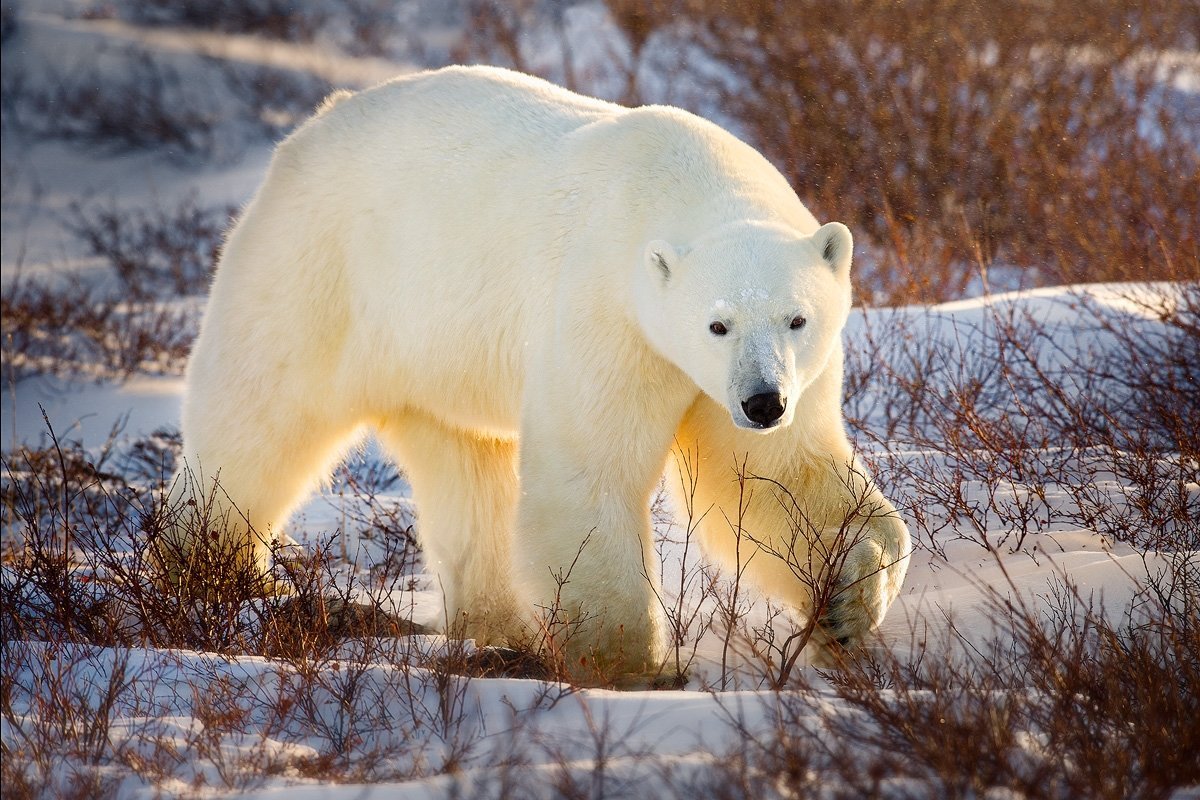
x=1048, y=137
x=161, y=250
x=74, y=329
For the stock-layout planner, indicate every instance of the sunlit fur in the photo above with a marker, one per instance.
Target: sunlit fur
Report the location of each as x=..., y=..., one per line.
x=456, y=260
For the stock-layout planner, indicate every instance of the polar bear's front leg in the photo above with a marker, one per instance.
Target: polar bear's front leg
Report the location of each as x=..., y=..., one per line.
x=584, y=557
x=592, y=452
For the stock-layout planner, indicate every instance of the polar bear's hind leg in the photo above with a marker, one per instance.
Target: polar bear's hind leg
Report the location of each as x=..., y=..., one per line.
x=465, y=486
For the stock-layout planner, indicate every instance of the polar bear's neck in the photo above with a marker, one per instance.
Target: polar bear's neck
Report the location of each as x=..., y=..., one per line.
x=703, y=176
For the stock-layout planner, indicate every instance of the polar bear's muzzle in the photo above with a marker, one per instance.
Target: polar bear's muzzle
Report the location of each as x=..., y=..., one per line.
x=765, y=409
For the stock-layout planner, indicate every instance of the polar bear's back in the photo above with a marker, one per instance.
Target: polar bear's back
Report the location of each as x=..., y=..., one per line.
x=484, y=109
x=452, y=153
x=501, y=94
x=412, y=222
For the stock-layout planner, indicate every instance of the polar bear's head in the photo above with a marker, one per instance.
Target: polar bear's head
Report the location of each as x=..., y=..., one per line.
x=751, y=312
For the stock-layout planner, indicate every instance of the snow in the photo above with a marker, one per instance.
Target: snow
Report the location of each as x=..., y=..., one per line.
x=86, y=411
x=948, y=601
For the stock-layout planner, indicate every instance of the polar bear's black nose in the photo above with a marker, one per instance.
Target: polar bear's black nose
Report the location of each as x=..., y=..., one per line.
x=765, y=408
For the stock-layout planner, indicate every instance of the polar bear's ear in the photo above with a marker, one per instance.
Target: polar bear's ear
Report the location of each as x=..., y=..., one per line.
x=835, y=244
x=661, y=259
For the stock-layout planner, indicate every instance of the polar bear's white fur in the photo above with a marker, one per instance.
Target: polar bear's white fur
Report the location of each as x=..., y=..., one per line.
x=531, y=296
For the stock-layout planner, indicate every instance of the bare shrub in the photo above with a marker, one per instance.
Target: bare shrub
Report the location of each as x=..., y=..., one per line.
x=1028, y=435
x=770, y=653
x=495, y=32
x=92, y=328
x=74, y=329
x=82, y=563
x=276, y=19
x=1060, y=703
x=81, y=591
x=361, y=27
x=1007, y=144
x=157, y=251
x=574, y=44
x=1050, y=139
x=75, y=694
x=274, y=99
x=145, y=101
x=192, y=108
x=1059, y=696
x=685, y=604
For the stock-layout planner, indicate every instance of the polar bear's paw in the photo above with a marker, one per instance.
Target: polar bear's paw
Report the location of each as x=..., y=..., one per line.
x=856, y=604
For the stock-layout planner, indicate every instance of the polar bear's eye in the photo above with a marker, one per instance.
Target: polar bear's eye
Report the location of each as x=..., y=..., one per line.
x=798, y=323
x=718, y=329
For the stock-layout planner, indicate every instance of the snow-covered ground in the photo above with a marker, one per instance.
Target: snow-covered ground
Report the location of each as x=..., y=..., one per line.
x=434, y=734
x=506, y=731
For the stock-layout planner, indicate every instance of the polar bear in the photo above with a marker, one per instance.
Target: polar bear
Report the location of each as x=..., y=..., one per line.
x=531, y=297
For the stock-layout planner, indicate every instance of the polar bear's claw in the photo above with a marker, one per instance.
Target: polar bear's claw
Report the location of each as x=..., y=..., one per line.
x=842, y=620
